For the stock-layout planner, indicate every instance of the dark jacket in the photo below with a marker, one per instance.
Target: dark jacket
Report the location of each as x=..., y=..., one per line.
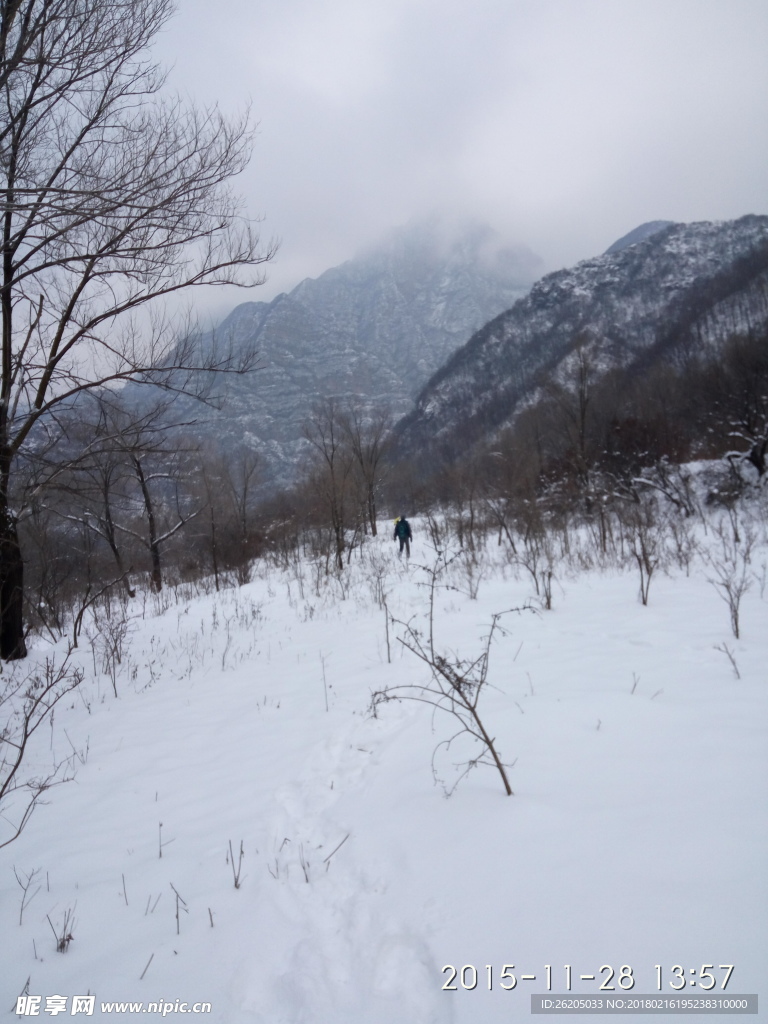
x=403, y=529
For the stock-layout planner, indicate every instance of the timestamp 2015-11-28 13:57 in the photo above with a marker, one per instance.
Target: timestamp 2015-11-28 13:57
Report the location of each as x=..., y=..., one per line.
x=469, y=977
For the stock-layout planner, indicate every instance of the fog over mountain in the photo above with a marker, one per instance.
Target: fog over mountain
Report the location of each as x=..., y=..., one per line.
x=375, y=328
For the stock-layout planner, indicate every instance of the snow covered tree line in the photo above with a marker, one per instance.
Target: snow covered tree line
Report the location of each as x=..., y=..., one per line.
x=136, y=503
x=133, y=504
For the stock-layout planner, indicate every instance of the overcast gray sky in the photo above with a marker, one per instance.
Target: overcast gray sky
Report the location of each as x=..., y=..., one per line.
x=564, y=123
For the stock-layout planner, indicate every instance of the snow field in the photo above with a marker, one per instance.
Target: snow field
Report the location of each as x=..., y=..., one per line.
x=637, y=833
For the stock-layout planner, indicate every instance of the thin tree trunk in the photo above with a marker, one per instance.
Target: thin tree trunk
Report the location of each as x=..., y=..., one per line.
x=156, y=577
x=109, y=533
x=372, y=509
x=214, y=550
x=12, y=643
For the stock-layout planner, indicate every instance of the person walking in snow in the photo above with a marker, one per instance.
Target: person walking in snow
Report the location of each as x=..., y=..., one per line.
x=404, y=535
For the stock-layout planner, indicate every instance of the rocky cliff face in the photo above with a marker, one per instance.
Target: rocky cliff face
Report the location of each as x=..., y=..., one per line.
x=680, y=289
x=376, y=328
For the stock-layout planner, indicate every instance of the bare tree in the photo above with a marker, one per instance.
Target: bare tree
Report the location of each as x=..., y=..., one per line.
x=730, y=566
x=455, y=684
x=573, y=398
x=368, y=438
x=208, y=486
x=239, y=475
x=643, y=525
x=112, y=197
x=333, y=469
x=26, y=703
x=118, y=467
x=156, y=535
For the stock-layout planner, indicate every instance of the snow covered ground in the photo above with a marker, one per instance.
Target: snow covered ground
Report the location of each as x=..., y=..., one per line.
x=637, y=833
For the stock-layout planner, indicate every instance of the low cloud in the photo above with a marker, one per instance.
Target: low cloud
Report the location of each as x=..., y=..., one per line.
x=562, y=124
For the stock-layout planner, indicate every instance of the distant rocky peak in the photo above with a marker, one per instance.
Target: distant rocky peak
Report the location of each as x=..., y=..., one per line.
x=639, y=234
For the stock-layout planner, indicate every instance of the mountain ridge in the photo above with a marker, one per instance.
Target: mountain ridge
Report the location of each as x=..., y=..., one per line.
x=638, y=234
x=691, y=279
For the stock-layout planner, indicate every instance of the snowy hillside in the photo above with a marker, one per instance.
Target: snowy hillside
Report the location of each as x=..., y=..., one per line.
x=636, y=835
x=682, y=290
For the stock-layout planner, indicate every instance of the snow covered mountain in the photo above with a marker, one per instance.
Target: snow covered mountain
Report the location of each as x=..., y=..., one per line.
x=376, y=327
x=682, y=289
